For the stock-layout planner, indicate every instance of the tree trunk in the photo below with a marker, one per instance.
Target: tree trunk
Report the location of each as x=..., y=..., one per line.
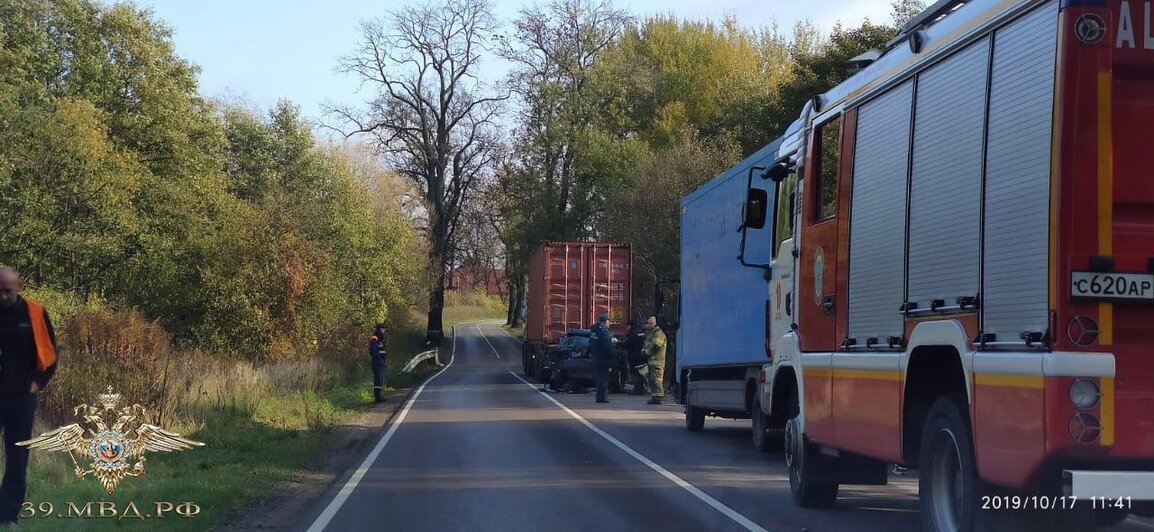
x=518, y=303
x=434, y=332
x=511, y=308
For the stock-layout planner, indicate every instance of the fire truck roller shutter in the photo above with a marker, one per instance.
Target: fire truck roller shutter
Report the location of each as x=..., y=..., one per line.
x=878, y=218
x=946, y=178
x=1018, y=152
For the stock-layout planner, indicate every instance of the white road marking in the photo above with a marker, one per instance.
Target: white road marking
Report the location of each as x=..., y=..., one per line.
x=1143, y=523
x=716, y=504
x=487, y=341
x=510, y=335
x=339, y=500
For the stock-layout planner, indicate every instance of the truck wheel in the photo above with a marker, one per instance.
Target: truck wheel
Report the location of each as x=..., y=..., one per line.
x=760, y=427
x=694, y=417
x=540, y=374
x=810, y=472
x=948, y=484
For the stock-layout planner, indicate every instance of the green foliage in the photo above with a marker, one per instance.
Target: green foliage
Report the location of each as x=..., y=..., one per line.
x=646, y=211
x=668, y=77
x=820, y=69
x=610, y=145
x=235, y=230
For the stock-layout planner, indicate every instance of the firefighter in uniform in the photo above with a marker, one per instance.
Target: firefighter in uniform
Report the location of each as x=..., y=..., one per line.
x=377, y=355
x=27, y=362
x=655, y=348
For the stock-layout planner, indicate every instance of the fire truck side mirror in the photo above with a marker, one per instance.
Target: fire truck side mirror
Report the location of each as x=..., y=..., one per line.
x=659, y=301
x=756, y=202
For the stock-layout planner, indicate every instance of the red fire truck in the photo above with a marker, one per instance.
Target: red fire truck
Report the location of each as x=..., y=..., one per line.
x=963, y=271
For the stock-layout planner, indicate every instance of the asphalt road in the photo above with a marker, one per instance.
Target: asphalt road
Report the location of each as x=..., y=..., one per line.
x=478, y=448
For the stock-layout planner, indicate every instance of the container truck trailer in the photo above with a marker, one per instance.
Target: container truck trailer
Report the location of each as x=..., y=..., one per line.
x=570, y=284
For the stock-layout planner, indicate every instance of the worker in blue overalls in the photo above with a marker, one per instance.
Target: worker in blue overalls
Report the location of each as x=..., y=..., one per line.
x=377, y=356
x=602, y=354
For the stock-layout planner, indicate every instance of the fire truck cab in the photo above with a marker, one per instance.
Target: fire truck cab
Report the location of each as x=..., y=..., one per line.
x=963, y=271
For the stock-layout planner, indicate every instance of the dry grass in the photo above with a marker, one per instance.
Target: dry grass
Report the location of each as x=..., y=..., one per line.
x=261, y=421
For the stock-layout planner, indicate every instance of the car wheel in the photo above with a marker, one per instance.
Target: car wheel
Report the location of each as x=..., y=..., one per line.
x=616, y=383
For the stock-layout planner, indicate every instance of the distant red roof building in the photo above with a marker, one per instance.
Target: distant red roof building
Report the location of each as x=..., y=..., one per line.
x=476, y=277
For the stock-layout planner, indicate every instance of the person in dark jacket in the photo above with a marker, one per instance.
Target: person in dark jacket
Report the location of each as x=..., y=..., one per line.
x=601, y=352
x=377, y=355
x=634, y=340
x=27, y=362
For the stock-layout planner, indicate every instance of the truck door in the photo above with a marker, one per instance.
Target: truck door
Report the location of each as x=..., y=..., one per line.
x=816, y=300
x=780, y=303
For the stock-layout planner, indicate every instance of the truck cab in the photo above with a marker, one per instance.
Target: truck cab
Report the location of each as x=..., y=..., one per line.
x=966, y=285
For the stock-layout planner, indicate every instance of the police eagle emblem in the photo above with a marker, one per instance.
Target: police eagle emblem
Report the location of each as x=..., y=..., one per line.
x=115, y=449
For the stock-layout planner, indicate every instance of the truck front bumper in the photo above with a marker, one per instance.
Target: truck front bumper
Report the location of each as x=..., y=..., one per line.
x=1135, y=485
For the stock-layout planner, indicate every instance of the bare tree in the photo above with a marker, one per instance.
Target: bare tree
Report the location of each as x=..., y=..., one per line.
x=904, y=11
x=541, y=194
x=556, y=49
x=432, y=119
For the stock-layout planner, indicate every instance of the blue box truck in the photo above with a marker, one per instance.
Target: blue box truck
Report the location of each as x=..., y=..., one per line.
x=724, y=296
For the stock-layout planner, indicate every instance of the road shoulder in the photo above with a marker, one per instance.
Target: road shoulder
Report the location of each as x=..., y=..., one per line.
x=294, y=499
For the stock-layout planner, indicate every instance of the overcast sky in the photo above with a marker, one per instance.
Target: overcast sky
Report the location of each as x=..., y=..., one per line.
x=260, y=51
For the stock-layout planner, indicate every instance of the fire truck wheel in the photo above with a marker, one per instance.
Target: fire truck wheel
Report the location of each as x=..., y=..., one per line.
x=760, y=427
x=694, y=417
x=810, y=472
x=948, y=485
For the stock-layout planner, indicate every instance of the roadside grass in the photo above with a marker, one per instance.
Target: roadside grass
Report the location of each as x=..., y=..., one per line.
x=517, y=332
x=242, y=459
x=260, y=427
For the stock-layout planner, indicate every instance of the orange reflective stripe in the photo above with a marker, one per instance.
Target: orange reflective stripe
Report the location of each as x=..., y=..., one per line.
x=45, y=351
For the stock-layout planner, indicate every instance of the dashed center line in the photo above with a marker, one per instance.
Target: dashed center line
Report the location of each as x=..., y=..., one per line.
x=478, y=326
x=745, y=522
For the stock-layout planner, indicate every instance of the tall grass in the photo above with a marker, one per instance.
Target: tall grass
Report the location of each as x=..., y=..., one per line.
x=260, y=421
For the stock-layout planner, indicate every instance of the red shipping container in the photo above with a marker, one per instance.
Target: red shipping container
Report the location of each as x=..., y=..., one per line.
x=571, y=283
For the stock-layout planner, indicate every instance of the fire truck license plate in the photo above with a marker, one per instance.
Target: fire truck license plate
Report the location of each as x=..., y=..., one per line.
x=1125, y=286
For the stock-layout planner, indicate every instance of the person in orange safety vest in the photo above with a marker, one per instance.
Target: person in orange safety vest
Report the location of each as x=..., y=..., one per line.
x=27, y=362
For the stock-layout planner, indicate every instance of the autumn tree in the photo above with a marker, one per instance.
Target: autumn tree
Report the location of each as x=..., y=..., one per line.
x=558, y=186
x=668, y=77
x=432, y=119
x=647, y=212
